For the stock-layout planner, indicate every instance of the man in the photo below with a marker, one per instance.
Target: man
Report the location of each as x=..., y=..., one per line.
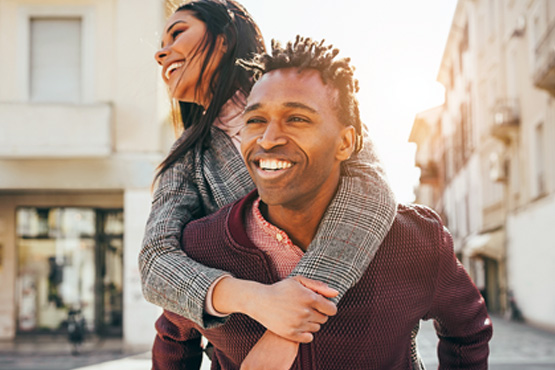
x=302, y=121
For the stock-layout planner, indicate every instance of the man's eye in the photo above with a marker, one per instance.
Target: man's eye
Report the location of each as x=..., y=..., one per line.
x=254, y=120
x=298, y=119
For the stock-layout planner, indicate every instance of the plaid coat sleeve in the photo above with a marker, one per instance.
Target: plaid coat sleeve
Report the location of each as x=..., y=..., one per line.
x=193, y=187
x=354, y=226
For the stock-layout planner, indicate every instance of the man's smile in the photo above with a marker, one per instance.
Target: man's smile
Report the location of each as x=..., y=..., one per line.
x=273, y=164
x=271, y=168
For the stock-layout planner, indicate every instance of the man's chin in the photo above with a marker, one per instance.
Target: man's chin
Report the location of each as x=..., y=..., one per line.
x=272, y=197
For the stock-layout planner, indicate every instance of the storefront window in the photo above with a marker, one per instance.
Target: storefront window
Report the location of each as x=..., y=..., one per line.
x=69, y=258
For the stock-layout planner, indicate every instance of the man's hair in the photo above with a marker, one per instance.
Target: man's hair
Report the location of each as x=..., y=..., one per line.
x=305, y=53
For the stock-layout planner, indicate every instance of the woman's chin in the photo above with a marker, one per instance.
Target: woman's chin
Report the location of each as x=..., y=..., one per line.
x=186, y=98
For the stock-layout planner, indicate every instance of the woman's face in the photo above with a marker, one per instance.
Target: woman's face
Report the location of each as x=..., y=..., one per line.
x=181, y=59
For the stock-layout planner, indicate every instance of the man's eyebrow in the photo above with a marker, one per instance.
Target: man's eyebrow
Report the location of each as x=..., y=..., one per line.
x=250, y=108
x=300, y=106
x=291, y=104
x=170, y=27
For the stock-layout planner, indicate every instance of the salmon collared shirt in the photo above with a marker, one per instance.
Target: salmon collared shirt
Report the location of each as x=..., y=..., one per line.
x=274, y=242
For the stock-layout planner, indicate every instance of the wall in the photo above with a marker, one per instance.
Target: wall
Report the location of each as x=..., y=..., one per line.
x=531, y=261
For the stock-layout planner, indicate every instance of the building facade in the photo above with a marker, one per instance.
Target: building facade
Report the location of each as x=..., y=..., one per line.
x=497, y=123
x=426, y=133
x=83, y=125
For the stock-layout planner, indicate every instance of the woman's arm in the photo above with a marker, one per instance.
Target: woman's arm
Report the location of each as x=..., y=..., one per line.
x=179, y=284
x=196, y=185
x=355, y=224
x=170, y=278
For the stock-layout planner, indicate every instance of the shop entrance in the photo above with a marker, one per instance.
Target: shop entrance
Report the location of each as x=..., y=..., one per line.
x=69, y=258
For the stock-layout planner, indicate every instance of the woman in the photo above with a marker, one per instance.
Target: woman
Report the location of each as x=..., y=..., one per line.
x=204, y=171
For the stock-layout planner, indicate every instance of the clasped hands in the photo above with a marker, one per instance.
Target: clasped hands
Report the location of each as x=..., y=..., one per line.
x=291, y=310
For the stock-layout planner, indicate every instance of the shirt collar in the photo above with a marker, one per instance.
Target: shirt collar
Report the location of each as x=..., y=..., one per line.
x=263, y=225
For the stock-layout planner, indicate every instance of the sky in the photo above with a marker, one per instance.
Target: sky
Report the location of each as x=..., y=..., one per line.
x=396, y=47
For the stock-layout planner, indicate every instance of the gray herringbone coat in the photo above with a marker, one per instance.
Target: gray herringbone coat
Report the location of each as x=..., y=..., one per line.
x=205, y=180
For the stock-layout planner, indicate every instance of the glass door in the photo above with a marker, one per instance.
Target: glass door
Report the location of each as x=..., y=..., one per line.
x=109, y=272
x=69, y=258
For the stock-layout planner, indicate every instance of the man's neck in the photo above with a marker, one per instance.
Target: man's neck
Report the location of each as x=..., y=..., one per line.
x=301, y=221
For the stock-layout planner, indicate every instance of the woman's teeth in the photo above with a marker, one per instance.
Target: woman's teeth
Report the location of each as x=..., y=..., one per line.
x=173, y=67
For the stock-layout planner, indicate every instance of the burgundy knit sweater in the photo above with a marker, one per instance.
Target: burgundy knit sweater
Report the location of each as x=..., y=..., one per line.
x=415, y=275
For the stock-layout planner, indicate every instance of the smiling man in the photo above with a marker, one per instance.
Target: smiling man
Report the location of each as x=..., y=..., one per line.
x=293, y=144
x=301, y=122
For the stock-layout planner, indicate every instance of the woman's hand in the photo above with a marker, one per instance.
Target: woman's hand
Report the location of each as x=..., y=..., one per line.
x=293, y=308
x=271, y=352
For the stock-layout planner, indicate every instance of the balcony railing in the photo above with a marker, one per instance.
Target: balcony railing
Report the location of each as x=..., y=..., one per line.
x=30, y=130
x=544, y=68
x=506, y=119
x=429, y=173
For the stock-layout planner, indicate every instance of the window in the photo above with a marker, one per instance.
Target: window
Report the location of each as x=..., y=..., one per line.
x=539, y=160
x=492, y=22
x=70, y=258
x=512, y=74
x=514, y=173
x=491, y=100
x=55, y=59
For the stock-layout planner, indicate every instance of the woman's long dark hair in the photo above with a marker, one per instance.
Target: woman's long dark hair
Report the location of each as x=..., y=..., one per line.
x=242, y=40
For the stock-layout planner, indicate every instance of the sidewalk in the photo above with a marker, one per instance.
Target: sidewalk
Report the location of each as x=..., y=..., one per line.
x=514, y=346
x=54, y=353
x=47, y=352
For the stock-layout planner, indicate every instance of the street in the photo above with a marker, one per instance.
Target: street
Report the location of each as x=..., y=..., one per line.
x=514, y=346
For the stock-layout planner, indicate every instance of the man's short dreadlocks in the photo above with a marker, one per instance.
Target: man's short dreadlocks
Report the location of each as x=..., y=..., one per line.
x=305, y=53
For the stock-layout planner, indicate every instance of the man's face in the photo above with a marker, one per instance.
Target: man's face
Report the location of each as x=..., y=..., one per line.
x=293, y=141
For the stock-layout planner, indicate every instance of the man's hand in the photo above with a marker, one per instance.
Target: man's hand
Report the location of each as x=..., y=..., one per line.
x=271, y=352
x=293, y=308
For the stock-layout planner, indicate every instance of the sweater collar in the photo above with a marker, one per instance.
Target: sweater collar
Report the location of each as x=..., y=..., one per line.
x=236, y=219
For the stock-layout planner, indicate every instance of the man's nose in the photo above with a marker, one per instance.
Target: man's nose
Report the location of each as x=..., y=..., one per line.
x=272, y=136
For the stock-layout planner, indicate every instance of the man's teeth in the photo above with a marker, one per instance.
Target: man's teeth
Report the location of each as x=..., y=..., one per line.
x=173, y=67
x=273, y=165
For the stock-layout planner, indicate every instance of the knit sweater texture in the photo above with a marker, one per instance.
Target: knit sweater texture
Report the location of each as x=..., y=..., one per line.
x=414, y=276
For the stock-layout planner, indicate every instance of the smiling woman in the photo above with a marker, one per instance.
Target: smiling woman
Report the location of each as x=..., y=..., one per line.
x=204, y=171
x=188, y=63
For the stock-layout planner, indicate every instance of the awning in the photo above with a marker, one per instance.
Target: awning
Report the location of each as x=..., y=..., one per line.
x=490, y=245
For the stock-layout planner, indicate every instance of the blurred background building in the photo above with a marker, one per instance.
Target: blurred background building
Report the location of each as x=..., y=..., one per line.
x=487, y=155
x=81, y=112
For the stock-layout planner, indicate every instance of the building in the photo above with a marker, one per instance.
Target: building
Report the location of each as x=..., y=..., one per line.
x=82, y=128
x=426, y=133
x=497, y=122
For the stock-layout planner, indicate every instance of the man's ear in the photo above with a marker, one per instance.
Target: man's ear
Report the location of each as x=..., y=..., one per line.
x=347, y=144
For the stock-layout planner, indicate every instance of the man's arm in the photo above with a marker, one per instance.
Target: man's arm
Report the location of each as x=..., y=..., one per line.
x=461, y=319
x=177, y=344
